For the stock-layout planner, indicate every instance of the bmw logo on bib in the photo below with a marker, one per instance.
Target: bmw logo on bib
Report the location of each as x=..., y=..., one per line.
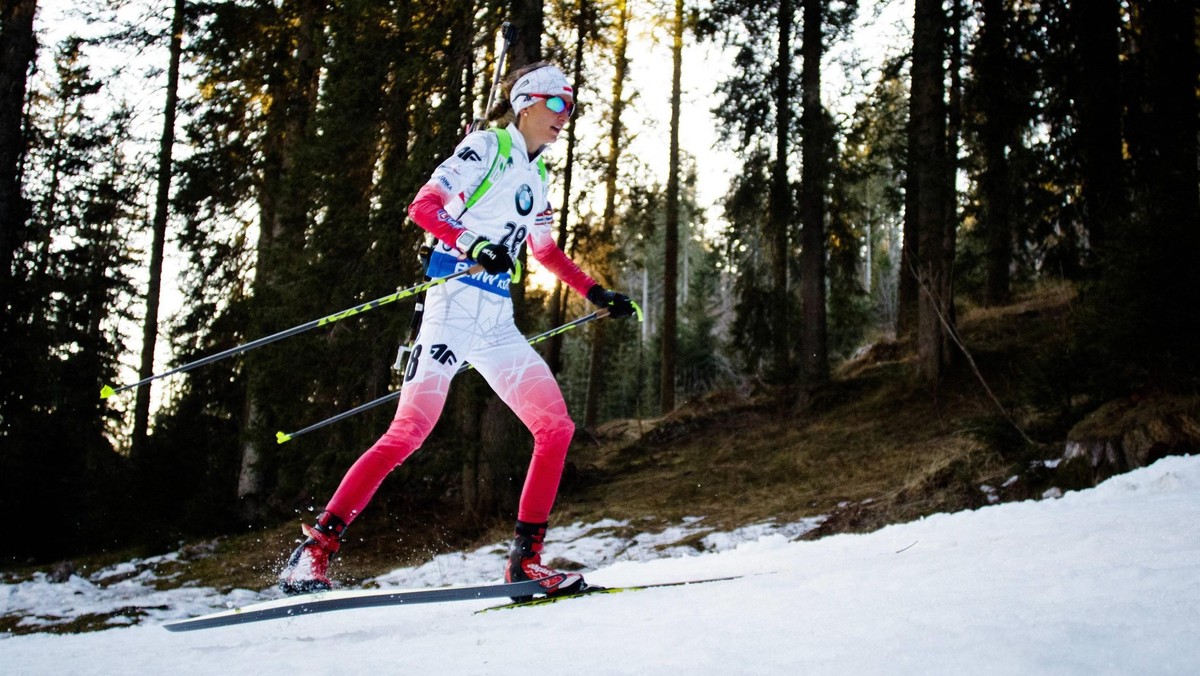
x=524, y=200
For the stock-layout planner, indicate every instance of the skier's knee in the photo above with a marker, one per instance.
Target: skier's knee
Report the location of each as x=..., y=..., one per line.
x=556, y=434
x=403, y=436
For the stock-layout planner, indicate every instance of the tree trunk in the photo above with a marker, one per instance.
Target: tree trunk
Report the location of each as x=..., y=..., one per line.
x=558, y=300
x=1097, y=41
x=817, y=147
x=1155, y=256
x=18, y=47
x=779, y=216
x=671, y=236
x=927, y=164
x=996, y=182
x=602, y=240
x=469, y=399
x=950, y=174
x=529, y=18
x=907, y=287
x=1171, y=143
x=141, y=417
x=293, y=87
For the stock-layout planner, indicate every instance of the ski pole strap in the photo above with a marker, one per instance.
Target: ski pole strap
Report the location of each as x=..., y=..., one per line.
x=284, y=437
x=108, y=391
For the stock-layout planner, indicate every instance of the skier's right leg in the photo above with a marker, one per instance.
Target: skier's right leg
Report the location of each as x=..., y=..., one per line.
x=427, y=382
x=420, y=407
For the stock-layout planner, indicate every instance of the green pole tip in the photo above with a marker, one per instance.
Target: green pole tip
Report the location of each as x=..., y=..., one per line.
x=106, y=392
x=281, y=438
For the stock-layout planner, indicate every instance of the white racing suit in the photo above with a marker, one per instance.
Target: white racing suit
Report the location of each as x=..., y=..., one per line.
x=470, y=319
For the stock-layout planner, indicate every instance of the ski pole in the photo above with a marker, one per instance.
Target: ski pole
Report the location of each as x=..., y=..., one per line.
x=108, y=391
x=283, y=437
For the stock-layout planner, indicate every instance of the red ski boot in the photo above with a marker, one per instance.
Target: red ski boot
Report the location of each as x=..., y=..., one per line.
x=525, y=563
x=307, y=570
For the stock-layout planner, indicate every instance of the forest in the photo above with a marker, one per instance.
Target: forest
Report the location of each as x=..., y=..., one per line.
x=245, y=166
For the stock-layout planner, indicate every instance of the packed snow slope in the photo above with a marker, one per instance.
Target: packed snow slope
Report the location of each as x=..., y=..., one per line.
x=1102, y=581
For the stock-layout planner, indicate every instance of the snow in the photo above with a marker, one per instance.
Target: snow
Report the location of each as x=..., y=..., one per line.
x=1102, y=581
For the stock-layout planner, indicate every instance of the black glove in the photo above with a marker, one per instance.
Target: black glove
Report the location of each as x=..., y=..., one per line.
x=618, y=304
x=493, y=257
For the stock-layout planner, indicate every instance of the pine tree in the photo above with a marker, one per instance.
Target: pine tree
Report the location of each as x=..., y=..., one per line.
x=1143, y=321
x=818, y=147
x=601, y=241
x=671, y=236
x=927, y=161
x=780, y=209
x=866, y=202
x=72, y=282
x=141, y=417
x=1096, y=34
x=757, y=107
x=18, y=46
x=997, y=136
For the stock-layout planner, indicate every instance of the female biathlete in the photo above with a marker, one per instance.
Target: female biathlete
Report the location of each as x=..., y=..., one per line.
x=470, y=319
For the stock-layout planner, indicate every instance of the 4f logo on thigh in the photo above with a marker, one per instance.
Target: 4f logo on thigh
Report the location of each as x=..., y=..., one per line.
x=441, y=353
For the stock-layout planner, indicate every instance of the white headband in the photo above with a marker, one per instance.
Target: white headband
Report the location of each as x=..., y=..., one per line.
x=545, y=80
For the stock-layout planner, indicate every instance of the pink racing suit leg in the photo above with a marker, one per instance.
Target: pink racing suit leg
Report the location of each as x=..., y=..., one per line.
x=421, y=402
x=521, y=378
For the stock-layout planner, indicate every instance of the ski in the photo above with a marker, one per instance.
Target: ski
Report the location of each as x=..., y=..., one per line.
x=596, y=590
x=322, y=602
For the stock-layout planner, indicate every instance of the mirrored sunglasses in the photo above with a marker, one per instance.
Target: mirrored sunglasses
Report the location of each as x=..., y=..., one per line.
x=556, y=104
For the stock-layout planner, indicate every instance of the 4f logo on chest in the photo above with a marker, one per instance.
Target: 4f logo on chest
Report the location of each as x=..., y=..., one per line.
x=469, y=155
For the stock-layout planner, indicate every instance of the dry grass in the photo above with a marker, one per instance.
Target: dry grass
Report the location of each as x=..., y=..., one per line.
x=872, y=448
